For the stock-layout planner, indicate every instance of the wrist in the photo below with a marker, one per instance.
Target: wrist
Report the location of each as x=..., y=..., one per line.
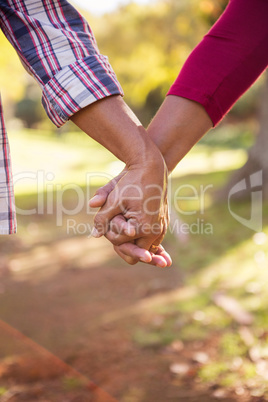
x=177, y=126
x=145, y=154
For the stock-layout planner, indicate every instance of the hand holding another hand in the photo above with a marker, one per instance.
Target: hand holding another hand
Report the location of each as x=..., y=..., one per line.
x=133, y=212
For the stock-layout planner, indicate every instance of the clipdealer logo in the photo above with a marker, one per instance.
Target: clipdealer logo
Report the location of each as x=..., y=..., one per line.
x=255, y=221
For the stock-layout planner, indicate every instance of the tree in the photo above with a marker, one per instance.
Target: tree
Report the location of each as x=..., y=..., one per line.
x=28, y=108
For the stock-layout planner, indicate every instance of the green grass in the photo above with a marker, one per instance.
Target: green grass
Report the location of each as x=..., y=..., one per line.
x=72, y=157
x=69, y=158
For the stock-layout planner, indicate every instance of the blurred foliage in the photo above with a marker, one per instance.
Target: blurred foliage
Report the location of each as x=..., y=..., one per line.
x=12, y=83
x=212, y=9
x=146, y=45
x=231, y=136
x=28, y=108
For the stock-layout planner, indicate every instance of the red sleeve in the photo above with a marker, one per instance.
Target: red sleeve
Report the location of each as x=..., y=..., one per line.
x=228, y=60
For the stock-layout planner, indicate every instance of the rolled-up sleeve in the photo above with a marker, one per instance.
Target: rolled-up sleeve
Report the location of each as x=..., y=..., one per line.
x=228, y=60
x=57, y=47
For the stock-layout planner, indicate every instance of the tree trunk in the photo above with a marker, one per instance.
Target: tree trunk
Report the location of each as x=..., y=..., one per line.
x=257, y=155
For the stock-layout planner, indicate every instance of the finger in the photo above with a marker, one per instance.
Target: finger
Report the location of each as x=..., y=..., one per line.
x=129, y=257
x=101, y=195
x=158, y=261
x=117, y=239
x=133, y=251
x=146, y=243
x=159, y=257
x=158, y=249
x=162, y=252
x=125, y=257
x=98, y=200
x=121, y=225
x=103, y=217
x=130, y=254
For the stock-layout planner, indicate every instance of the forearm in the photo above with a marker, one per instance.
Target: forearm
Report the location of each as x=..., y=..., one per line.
x=178, y=125
x=218, y=71
x=58, y=48
x=112, y=124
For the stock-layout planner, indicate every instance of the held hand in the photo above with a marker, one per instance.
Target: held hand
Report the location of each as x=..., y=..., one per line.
x=130, y=253
x=142, y=215
x=129, y=249
x=122, y=234
x=141, y=196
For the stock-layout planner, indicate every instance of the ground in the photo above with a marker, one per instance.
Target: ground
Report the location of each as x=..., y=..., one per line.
x=77, y=324
x=87, y=317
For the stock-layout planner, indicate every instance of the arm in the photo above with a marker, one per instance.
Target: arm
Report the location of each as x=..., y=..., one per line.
x=140, y=192
x=177, y=126
x=219, y=70
x=229, y=59
x=57, y=47
x=73, y=76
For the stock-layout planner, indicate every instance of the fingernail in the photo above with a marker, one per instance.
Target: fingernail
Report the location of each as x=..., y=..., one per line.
x=94, y=199
x=144, y=259
x=95, y=233
x=168, y=256
x=161, y=265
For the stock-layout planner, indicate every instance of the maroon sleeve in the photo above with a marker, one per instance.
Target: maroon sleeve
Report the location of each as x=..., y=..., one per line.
x=228, y=60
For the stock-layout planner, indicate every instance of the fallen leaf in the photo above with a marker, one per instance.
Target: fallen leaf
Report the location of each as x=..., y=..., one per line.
x=200, y=357
x=233, y=308
x=247, y=336
x=177, y=346
x=219, y=393
x=180, y=369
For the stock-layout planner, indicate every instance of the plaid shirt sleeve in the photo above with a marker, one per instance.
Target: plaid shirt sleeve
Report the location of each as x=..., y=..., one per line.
x=7, y=204
x=58, y=48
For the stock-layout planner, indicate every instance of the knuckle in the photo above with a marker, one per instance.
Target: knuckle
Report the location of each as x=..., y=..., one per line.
x=97, y=219
x=100, y=225
x=99, y=191
x=114, y=238
x=116, y=226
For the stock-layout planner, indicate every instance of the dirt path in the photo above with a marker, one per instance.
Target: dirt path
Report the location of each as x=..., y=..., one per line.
x=75, y=299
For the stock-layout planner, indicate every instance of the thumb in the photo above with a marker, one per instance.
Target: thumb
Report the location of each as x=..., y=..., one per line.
x=101, y=195
x=98, y=200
